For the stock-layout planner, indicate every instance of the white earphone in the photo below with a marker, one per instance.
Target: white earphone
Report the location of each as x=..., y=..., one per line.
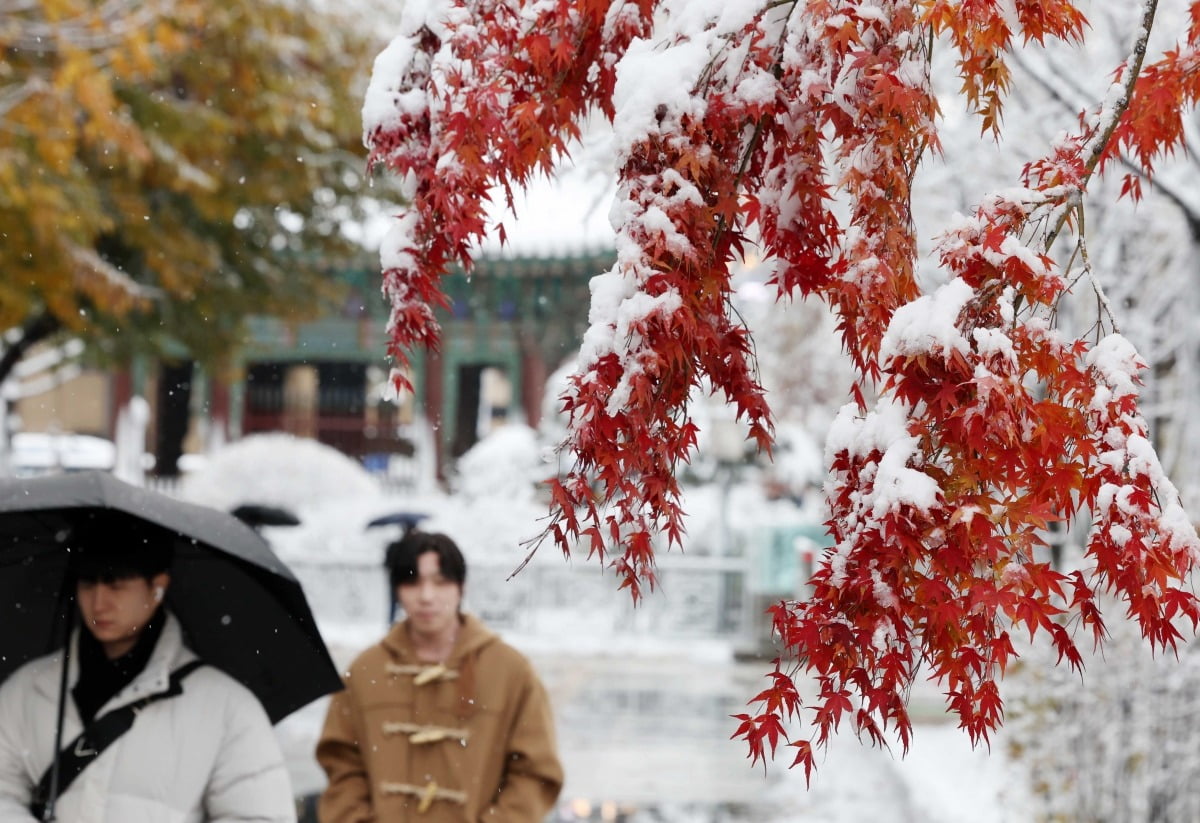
x=158, y=593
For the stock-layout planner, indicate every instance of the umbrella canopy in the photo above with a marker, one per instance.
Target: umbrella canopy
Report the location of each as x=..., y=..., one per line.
x=258, y=514
x=241, y=608
x=405, y=520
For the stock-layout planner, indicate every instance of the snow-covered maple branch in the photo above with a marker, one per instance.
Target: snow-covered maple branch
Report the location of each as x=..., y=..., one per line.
x=802, y=125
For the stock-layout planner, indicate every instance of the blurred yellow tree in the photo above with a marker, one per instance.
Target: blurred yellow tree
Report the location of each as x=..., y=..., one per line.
x=169, y=167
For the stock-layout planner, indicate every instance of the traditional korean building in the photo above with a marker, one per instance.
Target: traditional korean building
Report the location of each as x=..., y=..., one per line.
x=508, y=326
x=522, y=311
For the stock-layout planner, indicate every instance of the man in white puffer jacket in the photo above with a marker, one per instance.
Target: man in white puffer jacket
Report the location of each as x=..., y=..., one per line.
x=207, y=755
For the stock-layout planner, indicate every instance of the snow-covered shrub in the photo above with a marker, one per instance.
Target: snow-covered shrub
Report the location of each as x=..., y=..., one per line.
x=507, y=463
x=277, y=469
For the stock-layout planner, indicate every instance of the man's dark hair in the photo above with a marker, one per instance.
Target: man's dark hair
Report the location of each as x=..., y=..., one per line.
x=401, y=557
x=104, y=549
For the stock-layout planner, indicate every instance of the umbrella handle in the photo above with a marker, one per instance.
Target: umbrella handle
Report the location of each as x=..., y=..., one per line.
x=50, y=813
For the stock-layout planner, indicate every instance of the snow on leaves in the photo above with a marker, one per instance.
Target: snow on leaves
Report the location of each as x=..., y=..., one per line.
x=802, y=125
x=466, y=97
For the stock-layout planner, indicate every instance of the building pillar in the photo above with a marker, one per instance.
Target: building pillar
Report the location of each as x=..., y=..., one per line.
x=435, y=392
x=532, y=380
x=218, y=409
x=120, y=393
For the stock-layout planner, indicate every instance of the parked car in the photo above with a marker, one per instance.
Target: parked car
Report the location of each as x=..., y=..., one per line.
x=43, y=452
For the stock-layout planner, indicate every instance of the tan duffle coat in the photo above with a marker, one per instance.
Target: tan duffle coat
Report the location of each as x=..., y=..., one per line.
x=470, y=740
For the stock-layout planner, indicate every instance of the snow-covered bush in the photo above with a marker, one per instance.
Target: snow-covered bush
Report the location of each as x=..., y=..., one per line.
x=509, y=463
x=277, y=469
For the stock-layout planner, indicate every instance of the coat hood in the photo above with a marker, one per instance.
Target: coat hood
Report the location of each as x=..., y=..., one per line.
x=472, y=637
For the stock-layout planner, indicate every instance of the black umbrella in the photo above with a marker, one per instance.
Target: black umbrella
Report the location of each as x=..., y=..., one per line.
x=407, y=521
x=241, y=609
x=256, y=515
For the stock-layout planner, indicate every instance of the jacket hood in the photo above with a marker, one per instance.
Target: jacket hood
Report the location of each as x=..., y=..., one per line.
x=472, y=636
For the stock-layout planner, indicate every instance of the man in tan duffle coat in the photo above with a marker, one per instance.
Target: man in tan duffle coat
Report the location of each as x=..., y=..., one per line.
x=441, y=720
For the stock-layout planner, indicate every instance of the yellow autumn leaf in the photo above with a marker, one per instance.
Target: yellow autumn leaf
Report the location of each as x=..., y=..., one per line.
x=94, y=93
x=62, y=10
x=75, y=64
x=169, y=38
x=56, y=150
x=12, y=193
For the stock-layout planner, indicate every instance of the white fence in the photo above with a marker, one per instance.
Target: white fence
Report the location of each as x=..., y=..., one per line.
x=696, y=597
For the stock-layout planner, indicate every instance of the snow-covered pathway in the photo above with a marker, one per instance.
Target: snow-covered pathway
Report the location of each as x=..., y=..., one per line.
x=647, y=732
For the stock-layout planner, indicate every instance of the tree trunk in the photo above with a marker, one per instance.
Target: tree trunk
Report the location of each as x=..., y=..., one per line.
x=35, y=330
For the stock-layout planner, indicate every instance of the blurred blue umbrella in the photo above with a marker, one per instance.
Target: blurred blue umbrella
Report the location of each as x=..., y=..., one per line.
x=407, y=521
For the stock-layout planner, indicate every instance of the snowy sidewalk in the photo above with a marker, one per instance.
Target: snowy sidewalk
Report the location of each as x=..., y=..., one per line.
x=654, y=731
x=648, y=729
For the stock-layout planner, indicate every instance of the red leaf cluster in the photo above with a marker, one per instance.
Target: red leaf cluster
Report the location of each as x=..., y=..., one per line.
x=501, y=95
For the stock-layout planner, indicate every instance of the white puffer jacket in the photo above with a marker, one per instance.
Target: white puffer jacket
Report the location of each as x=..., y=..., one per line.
x=207, y=755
